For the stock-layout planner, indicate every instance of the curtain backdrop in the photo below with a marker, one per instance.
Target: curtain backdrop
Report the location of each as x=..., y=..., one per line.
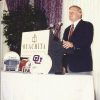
x=53, y=9
x=14, y=4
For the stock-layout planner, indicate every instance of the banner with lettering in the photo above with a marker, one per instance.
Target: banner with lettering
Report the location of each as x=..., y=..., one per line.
x=34, y=42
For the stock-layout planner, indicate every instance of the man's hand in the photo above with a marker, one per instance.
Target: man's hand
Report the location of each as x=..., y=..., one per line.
x=67, y=44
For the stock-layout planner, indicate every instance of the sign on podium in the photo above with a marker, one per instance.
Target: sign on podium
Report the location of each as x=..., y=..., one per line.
x=34, y=41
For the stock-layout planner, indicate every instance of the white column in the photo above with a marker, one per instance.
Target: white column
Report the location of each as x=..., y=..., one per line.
x=3, y=46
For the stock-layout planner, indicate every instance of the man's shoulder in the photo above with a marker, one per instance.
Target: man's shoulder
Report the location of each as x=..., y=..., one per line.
x=67, y=28
x=87, y=23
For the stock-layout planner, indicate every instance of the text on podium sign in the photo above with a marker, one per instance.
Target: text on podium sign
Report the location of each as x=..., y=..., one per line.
x=34, y=41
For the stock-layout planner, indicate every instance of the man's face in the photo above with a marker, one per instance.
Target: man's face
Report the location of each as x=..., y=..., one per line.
x=74, y=14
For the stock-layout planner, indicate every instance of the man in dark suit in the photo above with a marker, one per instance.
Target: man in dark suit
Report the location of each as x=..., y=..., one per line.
x=77, y=41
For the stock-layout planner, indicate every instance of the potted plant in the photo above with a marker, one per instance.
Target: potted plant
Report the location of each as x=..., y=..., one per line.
x=22, y=20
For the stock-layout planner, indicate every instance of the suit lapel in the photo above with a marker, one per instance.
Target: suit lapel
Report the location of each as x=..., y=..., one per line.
x=75, y=31
x=77, y=26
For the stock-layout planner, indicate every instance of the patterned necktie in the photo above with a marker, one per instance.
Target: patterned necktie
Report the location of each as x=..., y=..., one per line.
x=71, y=31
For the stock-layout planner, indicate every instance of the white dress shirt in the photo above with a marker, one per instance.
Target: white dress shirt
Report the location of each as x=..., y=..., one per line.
x=76, y=22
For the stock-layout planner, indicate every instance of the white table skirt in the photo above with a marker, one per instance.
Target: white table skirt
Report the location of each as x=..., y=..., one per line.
x=20, y=86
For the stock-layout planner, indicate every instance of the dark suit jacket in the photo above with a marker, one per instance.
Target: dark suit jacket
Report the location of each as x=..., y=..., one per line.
x=81, y=59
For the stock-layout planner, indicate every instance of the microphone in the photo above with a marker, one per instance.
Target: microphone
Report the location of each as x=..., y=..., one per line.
x=55, y=30
x=51, y=26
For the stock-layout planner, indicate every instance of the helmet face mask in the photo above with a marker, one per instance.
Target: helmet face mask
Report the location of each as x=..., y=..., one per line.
x=11, y=64
x=11, y=61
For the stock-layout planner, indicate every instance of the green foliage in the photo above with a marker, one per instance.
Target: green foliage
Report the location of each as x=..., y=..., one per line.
x=22, y=20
